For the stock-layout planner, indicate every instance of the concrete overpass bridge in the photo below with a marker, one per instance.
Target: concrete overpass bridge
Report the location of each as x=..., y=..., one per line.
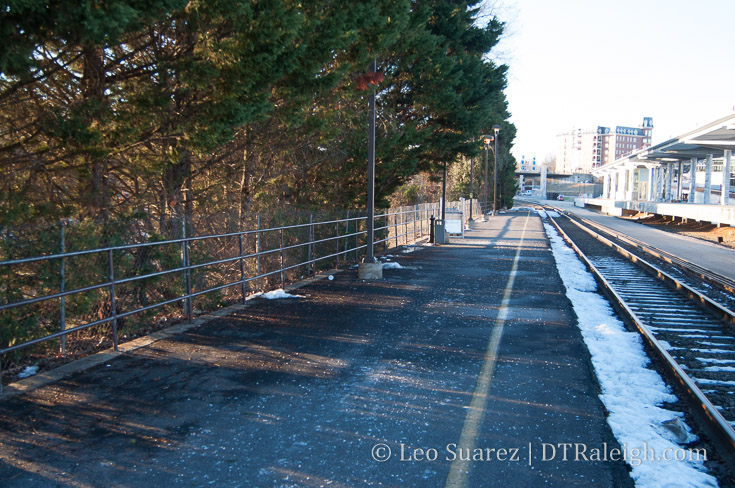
x=546, y=184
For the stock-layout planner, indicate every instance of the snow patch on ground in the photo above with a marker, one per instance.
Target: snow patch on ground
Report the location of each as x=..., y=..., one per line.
x=631, y=392
x=706, y=381
x=543, y=214
x=720, y=369
x=279, y=293
x=717, y=361
x=28, y=371
x=392, y=265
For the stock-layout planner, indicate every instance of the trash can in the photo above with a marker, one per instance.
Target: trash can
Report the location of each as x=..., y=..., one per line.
x=439, y=232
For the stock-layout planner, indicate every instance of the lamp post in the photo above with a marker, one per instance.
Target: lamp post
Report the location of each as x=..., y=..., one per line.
x=496, y=129
x=472, y=182
x=369, y=258
x=370, y=269
x=444, y=192
x=486, y=140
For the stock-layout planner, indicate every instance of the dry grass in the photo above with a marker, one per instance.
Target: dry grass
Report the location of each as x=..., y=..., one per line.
x=724, y=235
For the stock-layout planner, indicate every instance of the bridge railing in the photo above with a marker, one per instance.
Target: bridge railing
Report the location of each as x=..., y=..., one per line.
x=113, y=293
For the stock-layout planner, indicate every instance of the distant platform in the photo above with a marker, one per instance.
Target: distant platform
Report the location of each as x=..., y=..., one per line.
x=716, y=214
x=715, y=257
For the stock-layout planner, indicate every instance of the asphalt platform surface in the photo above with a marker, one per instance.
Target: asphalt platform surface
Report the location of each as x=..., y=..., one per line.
x=470, y=350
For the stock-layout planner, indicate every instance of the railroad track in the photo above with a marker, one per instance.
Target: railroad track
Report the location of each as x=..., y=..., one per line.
x=717, y=287
x=691, y=335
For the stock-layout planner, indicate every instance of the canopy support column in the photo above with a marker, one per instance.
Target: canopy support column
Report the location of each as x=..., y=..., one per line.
x=708, y=180
x=726, y=168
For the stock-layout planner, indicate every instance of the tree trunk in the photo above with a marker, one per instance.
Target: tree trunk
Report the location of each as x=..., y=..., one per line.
x=93, y=82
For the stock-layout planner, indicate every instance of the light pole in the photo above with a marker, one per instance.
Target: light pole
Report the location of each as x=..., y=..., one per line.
x=472, y=182
x=486, y=140
x=370, y=269
x=444, y=192
x=496, y=129
x=369, y=257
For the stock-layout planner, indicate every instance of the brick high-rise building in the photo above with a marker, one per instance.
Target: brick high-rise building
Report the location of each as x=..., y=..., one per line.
x=580, y=151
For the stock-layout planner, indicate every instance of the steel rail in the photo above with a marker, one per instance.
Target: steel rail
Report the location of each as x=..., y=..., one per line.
x=719, y=309
x=719, y=430
x=693, y=269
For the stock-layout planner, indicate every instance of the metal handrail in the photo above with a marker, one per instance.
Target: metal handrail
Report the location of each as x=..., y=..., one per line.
x=416, y=217
x=49, y=257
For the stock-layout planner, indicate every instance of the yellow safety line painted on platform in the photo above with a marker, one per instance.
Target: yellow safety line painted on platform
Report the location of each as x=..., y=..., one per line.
x=459, y=470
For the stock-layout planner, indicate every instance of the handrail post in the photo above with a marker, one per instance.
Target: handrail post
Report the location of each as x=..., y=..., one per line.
x=404, y=217
x=385, y=222
x=415, y=216
x=347, y=232
x=422, y=215
x=62, y=287
x=257, y=251
x=185, y=256
x=312, y=264
x=425, y=221
x=336, y=240
x=113, y=309
x=396, y=225
x=283, y=260
x=242, y=269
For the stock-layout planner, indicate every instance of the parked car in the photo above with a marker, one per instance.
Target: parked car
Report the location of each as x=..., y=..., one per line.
x=561, y=198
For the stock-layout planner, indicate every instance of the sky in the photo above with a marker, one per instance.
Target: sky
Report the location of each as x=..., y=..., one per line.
x=583, y=63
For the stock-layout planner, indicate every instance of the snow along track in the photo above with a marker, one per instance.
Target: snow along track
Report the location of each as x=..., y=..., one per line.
x=685, y=337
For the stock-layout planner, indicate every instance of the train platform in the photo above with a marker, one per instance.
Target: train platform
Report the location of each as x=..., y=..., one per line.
x=714, y=257
x=464, y=366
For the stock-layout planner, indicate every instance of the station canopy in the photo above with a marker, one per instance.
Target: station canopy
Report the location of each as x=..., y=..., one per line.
x=711, y=139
